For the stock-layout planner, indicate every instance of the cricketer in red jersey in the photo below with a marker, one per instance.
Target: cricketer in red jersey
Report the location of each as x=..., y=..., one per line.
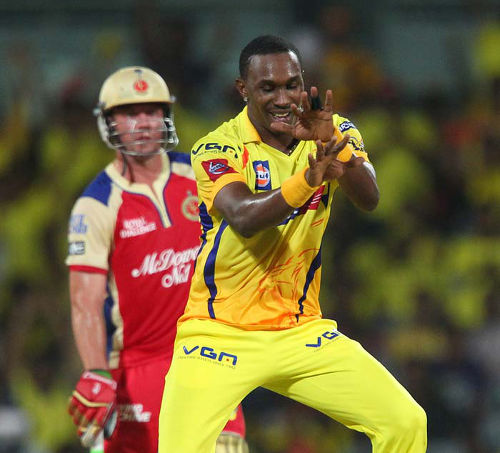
x=133, y=238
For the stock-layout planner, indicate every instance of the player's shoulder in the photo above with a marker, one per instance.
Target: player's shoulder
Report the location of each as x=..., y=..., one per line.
x=225, y=140
x=99, y=189
x=179, y=157
x=344, y=124
x=180, y=164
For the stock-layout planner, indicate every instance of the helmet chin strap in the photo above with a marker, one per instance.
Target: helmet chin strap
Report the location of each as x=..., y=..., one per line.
x=125, y=165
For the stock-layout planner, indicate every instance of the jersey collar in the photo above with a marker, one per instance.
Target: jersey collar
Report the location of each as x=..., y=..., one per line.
x=249, y=133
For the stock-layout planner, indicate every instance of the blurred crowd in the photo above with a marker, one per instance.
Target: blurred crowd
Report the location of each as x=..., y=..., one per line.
x=417, y=282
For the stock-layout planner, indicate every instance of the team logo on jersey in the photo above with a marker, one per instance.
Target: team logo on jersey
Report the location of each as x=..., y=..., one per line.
x=77, y=224
x=76, y=248
x=221, y=358
x=324, y=338
x=215, y=168
x=136, y=227
x=189, y=207
x=358, y=145
x=140, y=85
x=262, y=175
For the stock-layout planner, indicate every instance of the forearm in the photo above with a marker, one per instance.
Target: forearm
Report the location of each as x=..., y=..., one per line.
x=90, y=338
x=360, y=186
x=87, y=293
x=251, y=213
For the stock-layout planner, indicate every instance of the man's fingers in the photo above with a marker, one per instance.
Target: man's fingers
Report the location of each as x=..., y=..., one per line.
x=328, y=101
x=304, y=101
x=89, y=436
x=320, y=150
x=312, y=160
x=342, y=144
x=315, y=99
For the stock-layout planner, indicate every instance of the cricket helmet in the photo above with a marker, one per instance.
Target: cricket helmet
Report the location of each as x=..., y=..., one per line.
x=135, y=85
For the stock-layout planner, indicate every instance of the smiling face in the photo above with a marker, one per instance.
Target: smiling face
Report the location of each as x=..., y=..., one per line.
x=273, y=83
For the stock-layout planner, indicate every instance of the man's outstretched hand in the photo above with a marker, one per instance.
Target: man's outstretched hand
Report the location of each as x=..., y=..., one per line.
x=313, y=122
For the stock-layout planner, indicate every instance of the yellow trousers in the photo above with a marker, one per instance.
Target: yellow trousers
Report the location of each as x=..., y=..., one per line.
x=215, y=366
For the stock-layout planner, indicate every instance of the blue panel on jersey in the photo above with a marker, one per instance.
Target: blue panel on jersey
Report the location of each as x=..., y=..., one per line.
x=110, y=327
x=176, y=156
x=209, y=270
x=316, y=263
x=99, y=188
x=205, y=219
x=206, y=224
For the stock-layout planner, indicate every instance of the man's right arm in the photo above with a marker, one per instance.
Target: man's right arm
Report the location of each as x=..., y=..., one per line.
x=249, y=213
x=87, y=294
x=93, y=402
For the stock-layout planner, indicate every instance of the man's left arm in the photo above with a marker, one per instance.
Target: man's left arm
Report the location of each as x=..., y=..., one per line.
x=359, y=183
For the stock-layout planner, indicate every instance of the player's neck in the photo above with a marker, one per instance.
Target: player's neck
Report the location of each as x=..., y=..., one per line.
x=282, y=142
x=139, y=170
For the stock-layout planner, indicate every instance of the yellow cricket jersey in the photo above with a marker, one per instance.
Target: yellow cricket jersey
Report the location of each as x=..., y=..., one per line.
x=271, y=280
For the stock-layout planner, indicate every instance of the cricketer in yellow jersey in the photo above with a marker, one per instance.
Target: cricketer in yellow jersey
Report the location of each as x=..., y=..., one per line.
x=265, y=184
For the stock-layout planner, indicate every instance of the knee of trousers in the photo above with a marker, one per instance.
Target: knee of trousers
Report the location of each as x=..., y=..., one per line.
x=409, y=420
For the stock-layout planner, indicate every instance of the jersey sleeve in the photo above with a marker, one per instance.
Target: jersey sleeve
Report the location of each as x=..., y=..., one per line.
x=347, y=127
x=216, y=163
x=90, y=234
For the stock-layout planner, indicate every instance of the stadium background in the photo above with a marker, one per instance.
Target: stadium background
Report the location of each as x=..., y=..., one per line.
x=417, y=281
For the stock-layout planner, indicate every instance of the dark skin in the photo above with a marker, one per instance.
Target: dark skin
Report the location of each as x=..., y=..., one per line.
x=274, y=88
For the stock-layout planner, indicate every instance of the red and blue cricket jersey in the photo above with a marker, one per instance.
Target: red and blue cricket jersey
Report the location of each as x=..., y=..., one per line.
x=146, y=241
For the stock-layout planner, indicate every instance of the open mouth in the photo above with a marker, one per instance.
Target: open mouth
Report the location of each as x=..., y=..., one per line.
x=282, y=117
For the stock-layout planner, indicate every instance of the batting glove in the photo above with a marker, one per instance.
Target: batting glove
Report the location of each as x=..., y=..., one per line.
x=93, y=405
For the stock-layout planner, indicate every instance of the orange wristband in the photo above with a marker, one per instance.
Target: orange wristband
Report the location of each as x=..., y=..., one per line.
x=296, y=191
x=346, y=154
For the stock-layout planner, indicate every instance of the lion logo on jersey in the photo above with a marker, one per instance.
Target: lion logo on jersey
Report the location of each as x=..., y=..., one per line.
x=189, y=207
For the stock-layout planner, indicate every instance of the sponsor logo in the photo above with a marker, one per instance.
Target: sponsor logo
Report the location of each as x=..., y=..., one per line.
x=346, y=125
x=189, y=207
x=204, y=352
x=76, y=248
x=215, y=148
x=133, y=413
x=324, y=338
x=176, y=265
x=136, y=227
x=77, y=224
x=215, y=168
x=262, y=175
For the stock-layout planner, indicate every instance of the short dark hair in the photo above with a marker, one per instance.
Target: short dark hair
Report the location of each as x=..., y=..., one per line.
x=265, y=45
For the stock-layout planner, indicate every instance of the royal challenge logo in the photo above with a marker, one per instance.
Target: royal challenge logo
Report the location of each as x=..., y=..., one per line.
x=262, y=175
